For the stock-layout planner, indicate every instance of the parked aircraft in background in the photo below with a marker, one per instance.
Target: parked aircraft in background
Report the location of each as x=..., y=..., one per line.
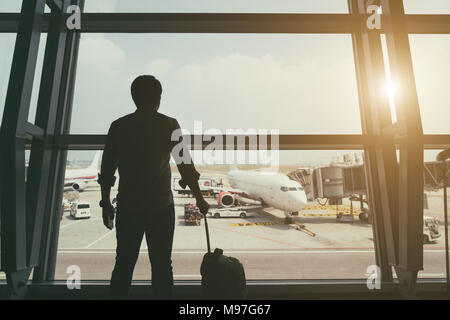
x=79, y=179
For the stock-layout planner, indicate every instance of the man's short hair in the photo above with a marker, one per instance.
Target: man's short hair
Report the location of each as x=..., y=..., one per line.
x=146, y=91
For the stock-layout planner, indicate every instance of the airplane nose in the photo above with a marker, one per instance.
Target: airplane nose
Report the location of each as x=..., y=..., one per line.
x=297, y=201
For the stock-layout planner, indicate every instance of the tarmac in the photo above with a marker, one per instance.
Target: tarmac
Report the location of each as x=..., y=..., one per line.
x=268, y=248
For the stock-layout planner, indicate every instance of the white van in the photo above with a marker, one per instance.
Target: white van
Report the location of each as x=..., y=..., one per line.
x=80, y=210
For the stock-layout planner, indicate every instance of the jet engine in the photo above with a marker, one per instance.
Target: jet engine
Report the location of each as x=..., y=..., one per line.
x=225, y=199
x=79, y=186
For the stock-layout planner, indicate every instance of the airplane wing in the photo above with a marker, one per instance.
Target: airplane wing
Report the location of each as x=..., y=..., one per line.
x=238, y=192
x=68, y=183
x=230, y=190
x=72, y=181
x=244, y=200
x=81, y=183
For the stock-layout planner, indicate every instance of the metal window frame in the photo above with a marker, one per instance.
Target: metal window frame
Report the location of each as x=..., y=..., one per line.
x=33, y=203
x=232, y=23
x=50, y=138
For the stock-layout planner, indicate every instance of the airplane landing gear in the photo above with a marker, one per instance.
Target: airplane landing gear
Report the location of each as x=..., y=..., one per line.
x=365, y=216
x=287, y=220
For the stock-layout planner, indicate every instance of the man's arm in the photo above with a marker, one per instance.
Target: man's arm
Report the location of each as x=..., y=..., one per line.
x=107, y=178
x=195, y=188
x=189, y=175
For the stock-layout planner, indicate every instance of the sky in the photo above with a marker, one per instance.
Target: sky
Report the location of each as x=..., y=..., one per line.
x=293, y=83
x=306, y=6
x=303, y=84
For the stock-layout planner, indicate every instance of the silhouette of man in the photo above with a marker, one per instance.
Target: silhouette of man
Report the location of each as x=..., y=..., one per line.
x=139, y=145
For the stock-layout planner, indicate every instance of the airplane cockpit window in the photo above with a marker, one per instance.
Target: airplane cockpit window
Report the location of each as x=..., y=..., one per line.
x=284, y=189
x=292, y=189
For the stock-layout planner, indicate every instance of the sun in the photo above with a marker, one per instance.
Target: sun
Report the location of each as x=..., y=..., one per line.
x=391, y=89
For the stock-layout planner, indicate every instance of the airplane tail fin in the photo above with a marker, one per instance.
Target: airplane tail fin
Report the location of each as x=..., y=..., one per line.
x=94, y=164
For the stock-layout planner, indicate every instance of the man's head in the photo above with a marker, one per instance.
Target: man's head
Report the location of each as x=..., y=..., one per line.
x=146, y=92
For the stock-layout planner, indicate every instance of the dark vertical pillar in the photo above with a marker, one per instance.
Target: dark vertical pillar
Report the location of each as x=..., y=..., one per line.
x=408, y=135
x=48, y=254
x=12, y=137
x=28, y=218
x=379, y=155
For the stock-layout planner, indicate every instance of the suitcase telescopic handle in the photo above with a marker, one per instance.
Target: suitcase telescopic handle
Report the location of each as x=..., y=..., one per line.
x=207, y=233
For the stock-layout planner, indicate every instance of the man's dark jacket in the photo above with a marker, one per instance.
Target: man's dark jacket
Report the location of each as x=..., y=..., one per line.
x=139, y=145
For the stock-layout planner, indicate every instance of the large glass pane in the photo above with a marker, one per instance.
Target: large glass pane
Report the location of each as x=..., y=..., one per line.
x=218, y=6
x=6, y=53
x=431, y=60
x=427, y=7
x=335, y=244
x=294, y=83
x=434, y=227
x=37, y=78
x=10, y=5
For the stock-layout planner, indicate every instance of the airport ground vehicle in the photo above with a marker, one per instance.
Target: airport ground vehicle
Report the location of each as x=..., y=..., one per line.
x=228, y=212
x=66, y=205
x=430, y=226
x=192, y=215
x=430, y=229
x=207, y=187
x=80, y=210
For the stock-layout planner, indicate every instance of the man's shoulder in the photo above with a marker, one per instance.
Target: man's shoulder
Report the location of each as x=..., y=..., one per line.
x=123, y=120
x=129, y=120
x=166, y=118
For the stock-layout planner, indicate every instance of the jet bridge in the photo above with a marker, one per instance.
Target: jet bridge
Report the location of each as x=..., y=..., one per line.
x=339, y=181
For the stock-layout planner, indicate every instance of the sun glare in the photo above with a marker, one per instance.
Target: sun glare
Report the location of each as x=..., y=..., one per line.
x=391, y=90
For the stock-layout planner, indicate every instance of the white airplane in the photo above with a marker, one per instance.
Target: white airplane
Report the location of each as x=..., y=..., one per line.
x=271, y=190
x=78, y=179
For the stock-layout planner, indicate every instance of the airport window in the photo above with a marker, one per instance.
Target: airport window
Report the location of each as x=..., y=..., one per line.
x=218, y=6
x=6, y=54
x=426, y=7
x=432, y=72
x=37, y=78
x=320, y=234
x=294, y=83
x=312, y=219
x=10, y=6
x=433, y=218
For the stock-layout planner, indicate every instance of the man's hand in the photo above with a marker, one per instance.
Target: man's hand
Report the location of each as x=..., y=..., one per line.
x=108, y=212
x=202, y=205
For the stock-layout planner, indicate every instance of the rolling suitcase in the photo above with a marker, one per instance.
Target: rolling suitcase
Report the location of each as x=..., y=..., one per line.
x=223, y=278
